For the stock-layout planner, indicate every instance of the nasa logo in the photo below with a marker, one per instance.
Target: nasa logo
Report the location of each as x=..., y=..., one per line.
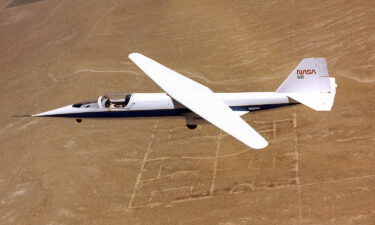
x=306, y=72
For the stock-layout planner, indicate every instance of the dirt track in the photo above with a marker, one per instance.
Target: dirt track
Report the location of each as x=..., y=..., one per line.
x=318, y=169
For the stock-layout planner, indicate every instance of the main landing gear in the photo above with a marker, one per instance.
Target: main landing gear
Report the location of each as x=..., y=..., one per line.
x=191, y=126
x=79, y=120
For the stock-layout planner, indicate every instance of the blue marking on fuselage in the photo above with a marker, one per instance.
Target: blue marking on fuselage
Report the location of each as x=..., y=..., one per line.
x=159, y=112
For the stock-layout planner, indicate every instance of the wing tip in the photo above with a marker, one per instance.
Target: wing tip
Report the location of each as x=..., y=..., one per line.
x=255, y=142
x=134, y=55
x=259, y=145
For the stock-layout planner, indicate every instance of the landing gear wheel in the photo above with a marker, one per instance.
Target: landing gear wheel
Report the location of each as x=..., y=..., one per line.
x=79, y=120
x=191, y=126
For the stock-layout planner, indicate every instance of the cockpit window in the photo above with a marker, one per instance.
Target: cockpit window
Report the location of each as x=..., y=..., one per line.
x=115, y=101
x=85, y=104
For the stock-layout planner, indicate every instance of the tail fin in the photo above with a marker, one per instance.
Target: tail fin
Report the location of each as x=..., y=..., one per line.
x=310, y=84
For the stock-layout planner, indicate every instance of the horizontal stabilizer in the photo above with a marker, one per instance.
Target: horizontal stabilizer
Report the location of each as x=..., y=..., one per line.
x=317, y=101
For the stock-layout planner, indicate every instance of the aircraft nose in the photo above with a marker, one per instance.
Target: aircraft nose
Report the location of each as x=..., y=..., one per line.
x=55, y=112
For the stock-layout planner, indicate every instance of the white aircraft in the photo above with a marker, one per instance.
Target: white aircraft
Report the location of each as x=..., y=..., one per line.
x=308, y=84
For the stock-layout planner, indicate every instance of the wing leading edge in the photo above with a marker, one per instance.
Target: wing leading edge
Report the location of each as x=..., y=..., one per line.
x=201, y=100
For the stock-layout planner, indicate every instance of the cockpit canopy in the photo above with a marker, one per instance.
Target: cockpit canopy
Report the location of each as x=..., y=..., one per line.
x=114, y=101
x=86, y=104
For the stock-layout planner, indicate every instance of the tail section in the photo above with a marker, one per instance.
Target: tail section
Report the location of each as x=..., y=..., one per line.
x=310, y=84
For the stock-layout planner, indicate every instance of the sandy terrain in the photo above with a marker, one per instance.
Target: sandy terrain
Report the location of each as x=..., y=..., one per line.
x=318, y=169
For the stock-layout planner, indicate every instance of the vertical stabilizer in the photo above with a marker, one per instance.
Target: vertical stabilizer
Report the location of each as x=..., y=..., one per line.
x=310, y=84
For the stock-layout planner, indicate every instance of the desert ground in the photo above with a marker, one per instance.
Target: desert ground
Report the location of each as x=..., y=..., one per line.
x=318, y=169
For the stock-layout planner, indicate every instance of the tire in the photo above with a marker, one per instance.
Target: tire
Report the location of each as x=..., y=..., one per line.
x=191, y=126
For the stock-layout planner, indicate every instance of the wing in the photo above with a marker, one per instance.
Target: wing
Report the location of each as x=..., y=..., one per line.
x=201, y=100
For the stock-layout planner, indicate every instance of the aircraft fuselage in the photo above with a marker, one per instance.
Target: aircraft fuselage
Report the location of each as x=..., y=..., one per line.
x=161, y=105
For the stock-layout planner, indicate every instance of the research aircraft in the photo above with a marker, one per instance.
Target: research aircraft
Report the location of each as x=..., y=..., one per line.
x=309, y=84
